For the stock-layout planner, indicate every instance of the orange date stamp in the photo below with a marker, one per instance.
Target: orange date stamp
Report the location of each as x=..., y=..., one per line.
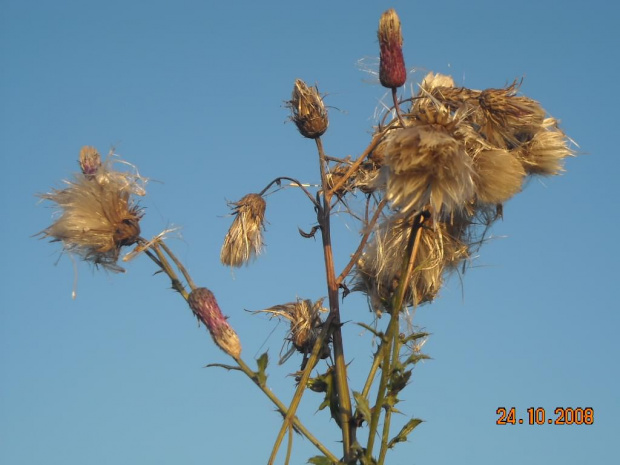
x=538, y=416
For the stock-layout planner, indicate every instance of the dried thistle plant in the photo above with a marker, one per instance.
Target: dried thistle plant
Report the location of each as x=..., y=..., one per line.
x=244, y=239
x=433, y=179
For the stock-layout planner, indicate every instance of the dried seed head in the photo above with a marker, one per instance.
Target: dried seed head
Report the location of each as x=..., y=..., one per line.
x=244, y=239
x=507, y=120
x=308, y=110
x=426, y=165
x=202, y=302
x=90, y=160
x=97, y=214
x=306, y=324
x=499, y=175
x=378, y=271
x=392, y=71
x=544, y=154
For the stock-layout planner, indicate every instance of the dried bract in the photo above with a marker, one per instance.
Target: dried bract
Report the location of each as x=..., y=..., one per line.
x=244, y=239
x=392, y=71
x=97, y=213
x=202, y=302
x=308, y=110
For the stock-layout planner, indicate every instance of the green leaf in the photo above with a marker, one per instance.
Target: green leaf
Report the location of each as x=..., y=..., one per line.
x=415, y=358
x=414, y=336
x=404, y=432
x=363, y=408
x=262, y=362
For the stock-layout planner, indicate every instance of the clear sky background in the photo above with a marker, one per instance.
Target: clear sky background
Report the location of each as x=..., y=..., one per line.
x=192, y=93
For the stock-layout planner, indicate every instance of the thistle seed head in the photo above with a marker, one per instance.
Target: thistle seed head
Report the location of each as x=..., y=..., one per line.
x=244, y=239
x=97, y=214
x=308, y=110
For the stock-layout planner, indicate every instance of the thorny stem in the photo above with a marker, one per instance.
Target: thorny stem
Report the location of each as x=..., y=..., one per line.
x=342, y=386
x=391, y=342
x=378, y=358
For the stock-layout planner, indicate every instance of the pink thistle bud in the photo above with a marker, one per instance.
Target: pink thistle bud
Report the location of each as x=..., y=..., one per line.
x=90, y=160
x=205, y=307
x=392, y=72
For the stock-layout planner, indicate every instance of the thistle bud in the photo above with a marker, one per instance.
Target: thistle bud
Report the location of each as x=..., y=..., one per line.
x=244, y=238
x=90, y=160
x=392, y=72
x=205, y=307
x=308, y=110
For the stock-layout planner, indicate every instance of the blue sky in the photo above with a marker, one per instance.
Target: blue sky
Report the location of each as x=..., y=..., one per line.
x=192, y=93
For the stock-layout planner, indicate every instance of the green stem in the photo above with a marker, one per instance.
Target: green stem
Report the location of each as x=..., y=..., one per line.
x=391, y=343
x=286, y=412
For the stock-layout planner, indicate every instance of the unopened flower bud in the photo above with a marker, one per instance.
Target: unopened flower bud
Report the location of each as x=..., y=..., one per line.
x=309, y=113
x=205, y=307
x=90, y=160
x=392, y=72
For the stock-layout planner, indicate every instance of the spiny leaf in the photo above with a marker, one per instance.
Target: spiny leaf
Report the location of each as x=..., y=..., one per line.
x=415, y=358
x=398, y=381
x=404, y=432
x=363, y=408
x=414, y=336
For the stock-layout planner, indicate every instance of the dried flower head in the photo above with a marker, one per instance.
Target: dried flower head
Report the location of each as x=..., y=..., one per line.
x=202, y=302
x=304, y=317
x=425, y=166
x=544, y=154
x=499, y=175
x=97, y=213
x=308, y=110
x=392, y=71
x=378, y=272
x=244, y=238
